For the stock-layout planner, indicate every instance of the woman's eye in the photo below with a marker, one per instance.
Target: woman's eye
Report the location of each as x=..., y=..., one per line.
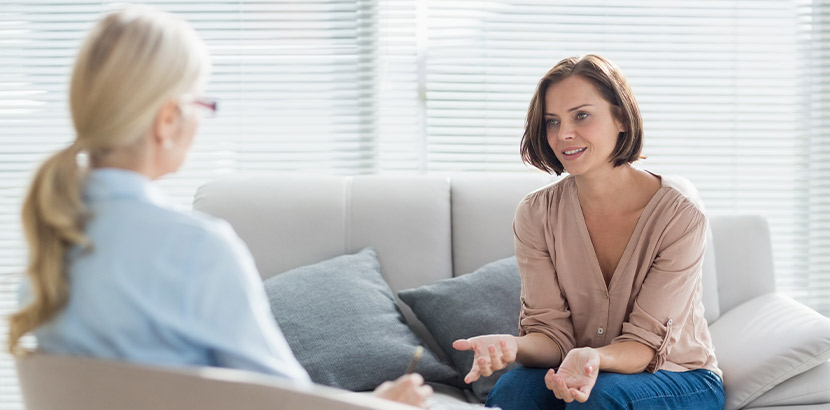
x=552, y=122
x=581, y=116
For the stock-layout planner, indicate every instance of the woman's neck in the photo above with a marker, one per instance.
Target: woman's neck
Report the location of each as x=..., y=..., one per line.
x=612, y=189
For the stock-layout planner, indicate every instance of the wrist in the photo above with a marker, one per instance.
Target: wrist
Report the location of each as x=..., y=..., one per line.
x=600, y=357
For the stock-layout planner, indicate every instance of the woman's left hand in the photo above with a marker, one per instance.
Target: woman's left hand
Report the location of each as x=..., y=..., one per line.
x=576, y=376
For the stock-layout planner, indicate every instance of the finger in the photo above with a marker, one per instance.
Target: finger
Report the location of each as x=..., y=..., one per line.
x=562, y=388
x=483, y=362
x=462, y=344
x=484, y=368
x=578, y=395
x=549, y=383
x=413, y=378
x=383, y=387
x=587, y=388
x=424, y=394
x=473, y=375
x=509, y=355
x=495, y=358
x=414, y=396
x=552, y=382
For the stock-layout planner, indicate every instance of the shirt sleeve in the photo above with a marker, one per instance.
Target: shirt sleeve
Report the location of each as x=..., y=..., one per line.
x=666, y=298
x=544, y=309
x=232, y=311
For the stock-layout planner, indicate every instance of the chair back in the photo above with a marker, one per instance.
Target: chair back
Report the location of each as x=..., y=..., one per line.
x=73, y=383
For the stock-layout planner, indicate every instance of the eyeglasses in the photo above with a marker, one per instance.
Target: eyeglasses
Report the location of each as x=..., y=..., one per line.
x=207, y=107
x=211, y=106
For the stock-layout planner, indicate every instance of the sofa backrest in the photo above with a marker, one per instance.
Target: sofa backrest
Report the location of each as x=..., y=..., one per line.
x=289, y=221
x=743, y=258
x=428, y=227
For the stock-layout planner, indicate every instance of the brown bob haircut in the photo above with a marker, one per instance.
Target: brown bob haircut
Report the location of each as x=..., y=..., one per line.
x=611, y=84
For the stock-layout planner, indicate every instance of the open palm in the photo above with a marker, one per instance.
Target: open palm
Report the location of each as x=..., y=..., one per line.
x=576, y=375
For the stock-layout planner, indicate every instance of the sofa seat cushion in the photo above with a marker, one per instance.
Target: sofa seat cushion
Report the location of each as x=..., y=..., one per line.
x=766, y=341
x=340, y=318
x=483, y=302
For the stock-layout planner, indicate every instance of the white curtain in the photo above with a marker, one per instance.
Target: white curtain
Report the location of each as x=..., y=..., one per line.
x=733, y=95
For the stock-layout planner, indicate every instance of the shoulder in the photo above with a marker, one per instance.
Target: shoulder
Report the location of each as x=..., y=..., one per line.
x=543, y=200
x=168, y=233
x=214, y=238
x=211, y=251
x=681, y=208
x=682, y=196
x=683, y=189
x=195, y=226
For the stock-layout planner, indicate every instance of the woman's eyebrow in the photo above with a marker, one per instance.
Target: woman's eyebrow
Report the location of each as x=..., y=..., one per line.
x=547, y=114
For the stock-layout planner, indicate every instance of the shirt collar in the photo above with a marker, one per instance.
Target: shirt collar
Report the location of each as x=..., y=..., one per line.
x=116, y=183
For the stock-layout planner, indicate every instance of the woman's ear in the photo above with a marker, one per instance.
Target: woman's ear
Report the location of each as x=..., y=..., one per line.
x=167, y=124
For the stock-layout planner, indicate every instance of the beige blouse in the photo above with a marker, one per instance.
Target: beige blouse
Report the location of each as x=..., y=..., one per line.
x=654, y=296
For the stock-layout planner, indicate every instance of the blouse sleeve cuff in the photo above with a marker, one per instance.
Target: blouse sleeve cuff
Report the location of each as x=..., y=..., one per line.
x=660, y=341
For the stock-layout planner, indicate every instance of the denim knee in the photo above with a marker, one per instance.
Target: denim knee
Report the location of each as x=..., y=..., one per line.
x=605, y=395
x=692, y=390
x=522, y=388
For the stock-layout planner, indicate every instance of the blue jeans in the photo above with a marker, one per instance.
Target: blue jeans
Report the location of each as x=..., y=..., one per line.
x=524, y=388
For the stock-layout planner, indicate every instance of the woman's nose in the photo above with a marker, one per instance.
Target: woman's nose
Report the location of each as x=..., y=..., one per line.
x=566, y=131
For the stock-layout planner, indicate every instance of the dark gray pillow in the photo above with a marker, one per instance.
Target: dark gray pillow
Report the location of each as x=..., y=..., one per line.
x=340, y=319
x=479, y=303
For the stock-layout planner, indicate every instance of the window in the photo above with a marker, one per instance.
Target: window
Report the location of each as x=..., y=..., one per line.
x=732, y=94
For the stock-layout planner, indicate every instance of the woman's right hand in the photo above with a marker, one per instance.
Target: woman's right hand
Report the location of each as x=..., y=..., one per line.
x=407, y=389
x=492, y=353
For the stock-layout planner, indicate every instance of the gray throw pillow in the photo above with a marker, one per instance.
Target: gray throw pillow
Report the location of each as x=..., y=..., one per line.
x=340, y=319
x=479, y=303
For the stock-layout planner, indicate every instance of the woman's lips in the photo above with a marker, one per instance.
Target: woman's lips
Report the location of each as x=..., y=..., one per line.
x=573, y=153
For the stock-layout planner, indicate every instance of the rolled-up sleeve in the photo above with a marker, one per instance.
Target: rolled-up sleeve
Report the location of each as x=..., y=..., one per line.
x=665, y=300
x=544, y=309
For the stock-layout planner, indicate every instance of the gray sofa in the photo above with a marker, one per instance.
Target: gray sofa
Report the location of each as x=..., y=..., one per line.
x=425, y=228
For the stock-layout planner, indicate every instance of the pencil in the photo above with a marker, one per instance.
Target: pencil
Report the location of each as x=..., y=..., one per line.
x=416, y=356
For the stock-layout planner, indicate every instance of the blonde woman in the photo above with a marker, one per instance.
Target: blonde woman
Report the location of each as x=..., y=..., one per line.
x=114, y=270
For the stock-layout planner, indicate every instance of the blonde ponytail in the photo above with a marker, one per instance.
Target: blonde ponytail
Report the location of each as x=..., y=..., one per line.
x=53, y=222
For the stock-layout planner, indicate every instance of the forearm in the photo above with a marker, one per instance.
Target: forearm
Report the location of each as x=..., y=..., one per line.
x=537, y=350
x=625, y=357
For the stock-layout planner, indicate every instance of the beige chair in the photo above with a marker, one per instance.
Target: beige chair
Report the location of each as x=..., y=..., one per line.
x=72, y=383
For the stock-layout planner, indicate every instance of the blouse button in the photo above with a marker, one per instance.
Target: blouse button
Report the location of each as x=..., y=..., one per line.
x=600, y=331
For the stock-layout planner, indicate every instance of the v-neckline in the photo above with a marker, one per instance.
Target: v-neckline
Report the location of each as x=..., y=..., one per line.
x=629, y=247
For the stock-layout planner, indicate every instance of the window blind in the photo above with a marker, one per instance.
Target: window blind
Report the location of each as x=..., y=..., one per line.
x=297, y=84
x=733, y=95
x=719, y=85
x=814, y=19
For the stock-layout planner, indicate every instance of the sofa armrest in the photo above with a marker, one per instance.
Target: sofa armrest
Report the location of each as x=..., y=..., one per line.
x=765, y=341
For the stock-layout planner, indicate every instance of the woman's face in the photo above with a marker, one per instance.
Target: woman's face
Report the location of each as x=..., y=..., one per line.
x=581, y=130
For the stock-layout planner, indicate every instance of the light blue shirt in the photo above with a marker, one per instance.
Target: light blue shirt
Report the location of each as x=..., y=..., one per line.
x=164, y=287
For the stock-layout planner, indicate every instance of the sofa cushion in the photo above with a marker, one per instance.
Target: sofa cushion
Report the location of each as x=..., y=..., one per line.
x=810, y=387
x=483, y=302
x=765, y=341
x=341, y=321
